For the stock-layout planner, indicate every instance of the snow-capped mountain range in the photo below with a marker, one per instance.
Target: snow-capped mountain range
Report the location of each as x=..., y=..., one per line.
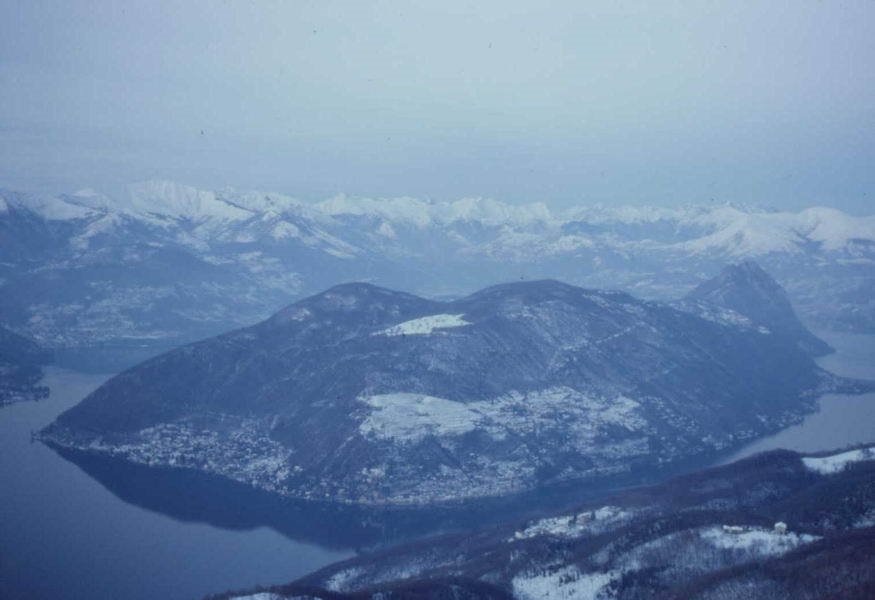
x=167, y=263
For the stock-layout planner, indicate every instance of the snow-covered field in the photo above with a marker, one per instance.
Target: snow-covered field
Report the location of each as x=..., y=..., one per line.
x=827, y=465
x=565, y=583
x=756, y=541
x=425, y=325
x=406, y=417
x=576, y=525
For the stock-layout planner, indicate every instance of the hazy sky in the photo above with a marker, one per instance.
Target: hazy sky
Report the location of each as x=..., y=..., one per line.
x=765, y=102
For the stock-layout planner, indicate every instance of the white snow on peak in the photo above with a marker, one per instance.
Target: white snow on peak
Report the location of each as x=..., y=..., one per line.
x=628, y=215
x=516, y=231
x=264, y=202
x=727, y=229
x=492, y=212
x=421, y=213
x=179, y=201
x=834, y=229
x=836, y=463
x=259, y=596
x=53, y=208
x=425, y=325
x=409, y=211
x=740, y=234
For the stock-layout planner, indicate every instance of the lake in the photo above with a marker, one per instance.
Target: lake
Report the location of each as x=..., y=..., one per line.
x=841, y=419
x=80, y=529
x=63, y=535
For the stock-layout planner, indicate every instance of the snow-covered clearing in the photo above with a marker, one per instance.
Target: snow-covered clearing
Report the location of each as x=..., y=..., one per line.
x=568, y=582
x=425, y=325
x=835, y=463
x=757, y=541
x=571, y=526
x=409, y=417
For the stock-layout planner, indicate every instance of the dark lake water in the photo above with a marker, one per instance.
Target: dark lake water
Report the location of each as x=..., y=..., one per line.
x=841, y=419
x=64, y=535
x=86, y=528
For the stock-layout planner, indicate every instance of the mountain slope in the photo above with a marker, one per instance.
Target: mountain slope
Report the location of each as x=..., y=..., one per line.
x=708, y=535
x=20, y=368
x=751, y=292
x=365, y=395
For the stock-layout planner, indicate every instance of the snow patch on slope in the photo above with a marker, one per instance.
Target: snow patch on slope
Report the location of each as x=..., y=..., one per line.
x=573, y=526
x=409, y=418
x=412, y=417
x=829, y=465
x=425, y=325
x=757, y=541
x=564, y=583
x=103, y=225
x=341, y=580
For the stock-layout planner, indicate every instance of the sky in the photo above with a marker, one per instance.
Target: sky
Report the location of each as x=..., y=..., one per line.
x=767, y=103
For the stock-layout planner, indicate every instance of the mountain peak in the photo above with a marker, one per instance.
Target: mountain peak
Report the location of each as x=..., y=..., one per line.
x=371, y=396
x=749, y=290
x=357, y=297
x=181, y=201
x=747, y=276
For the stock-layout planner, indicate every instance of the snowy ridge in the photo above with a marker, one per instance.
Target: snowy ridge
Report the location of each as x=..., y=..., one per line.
x=48, y=207
x=732, y=230
x=421, y=213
